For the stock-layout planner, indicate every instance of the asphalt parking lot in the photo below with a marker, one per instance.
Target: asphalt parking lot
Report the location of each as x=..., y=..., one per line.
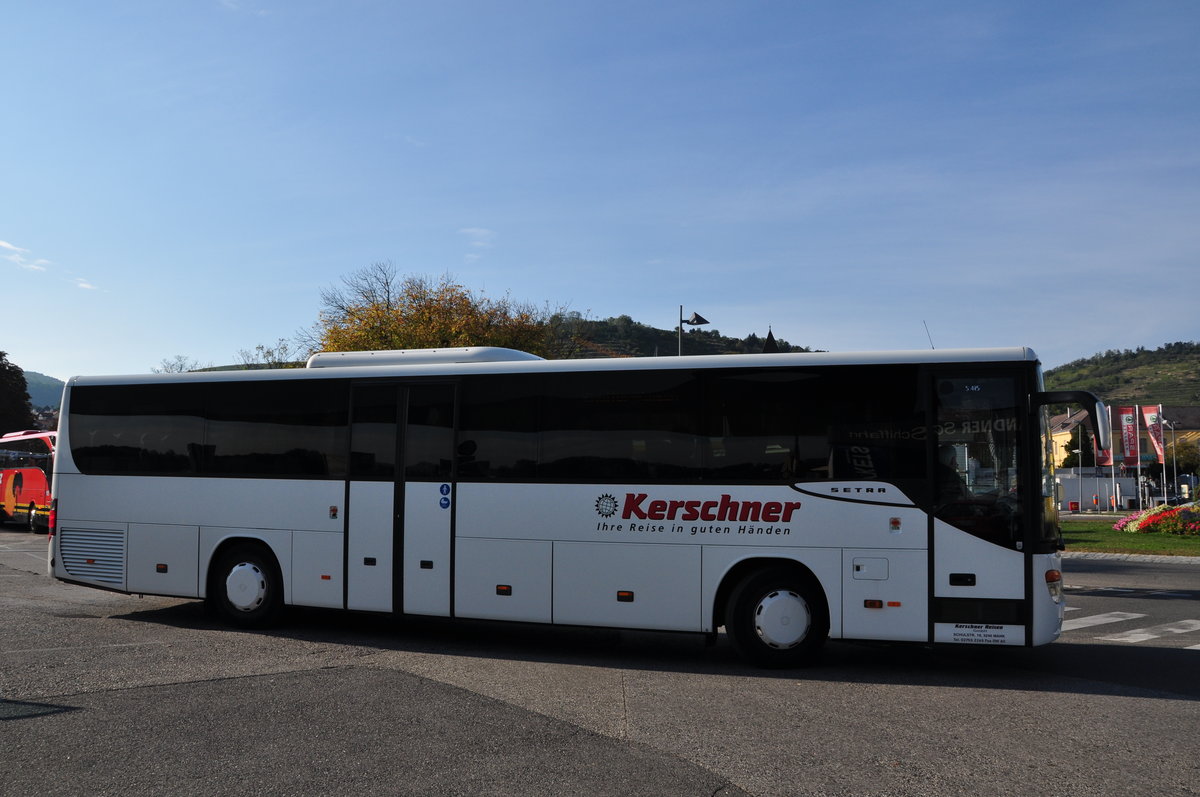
x=112, y=694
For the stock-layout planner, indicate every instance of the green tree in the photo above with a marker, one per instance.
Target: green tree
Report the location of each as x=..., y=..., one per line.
x=1184, y=456
x=1072, y=460
x=16, y=414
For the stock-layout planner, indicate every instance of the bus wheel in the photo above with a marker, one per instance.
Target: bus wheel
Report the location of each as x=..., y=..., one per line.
x=244, y=586
x=777, y=618
x=33, y=529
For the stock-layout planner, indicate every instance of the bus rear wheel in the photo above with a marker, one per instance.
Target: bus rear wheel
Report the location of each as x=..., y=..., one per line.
x=33, y=527
x=244, y=586
x=777, y=618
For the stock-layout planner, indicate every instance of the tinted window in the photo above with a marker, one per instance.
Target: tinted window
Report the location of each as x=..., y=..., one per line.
x=768, y=425
x=878, y=427
x=621, y=426
x=498, y=419
x=263, y=429
x=373, y=433
x=429, y=435
x=607, y=426
x=276, y=429
x=154, y=429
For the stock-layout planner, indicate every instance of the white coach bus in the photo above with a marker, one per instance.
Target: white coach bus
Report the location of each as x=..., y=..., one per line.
x=786, y=497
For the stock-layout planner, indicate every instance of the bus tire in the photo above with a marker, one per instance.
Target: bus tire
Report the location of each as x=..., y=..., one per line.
x=244, y=586
x=33, y=529
x=777, y=618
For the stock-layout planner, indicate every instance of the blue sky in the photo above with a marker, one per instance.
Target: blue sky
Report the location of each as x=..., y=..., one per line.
x=185, y=177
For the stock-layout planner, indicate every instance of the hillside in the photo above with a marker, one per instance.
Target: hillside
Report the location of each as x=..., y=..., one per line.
x=1169, y=374
x=44, y=391
x=624, y=337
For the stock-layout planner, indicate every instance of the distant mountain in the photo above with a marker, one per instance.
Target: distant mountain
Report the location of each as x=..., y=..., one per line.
x=44, y=391
x=1168, y=375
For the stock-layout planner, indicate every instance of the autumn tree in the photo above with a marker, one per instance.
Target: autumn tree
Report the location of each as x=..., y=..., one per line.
x=376, y=309
x=283, y=354
x=16, y=414
x=179, y=364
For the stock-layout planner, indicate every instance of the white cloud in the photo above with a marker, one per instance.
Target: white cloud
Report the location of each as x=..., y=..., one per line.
x=18, y=256
x=478, y=237
x=240, y=7
x=83, y=284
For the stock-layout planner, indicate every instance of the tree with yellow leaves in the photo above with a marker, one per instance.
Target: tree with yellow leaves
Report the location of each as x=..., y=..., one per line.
x=375, y=309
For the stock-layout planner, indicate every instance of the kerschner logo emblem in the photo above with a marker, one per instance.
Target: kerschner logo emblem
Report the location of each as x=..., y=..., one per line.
x=720, y=515
x=606, y=506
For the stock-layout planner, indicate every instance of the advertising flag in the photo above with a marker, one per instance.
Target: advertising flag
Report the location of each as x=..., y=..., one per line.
x=1153, y=417
x=1129, y=435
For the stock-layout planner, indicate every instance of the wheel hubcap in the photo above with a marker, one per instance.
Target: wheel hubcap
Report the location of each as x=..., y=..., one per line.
x=246, y=587
x=782, y=619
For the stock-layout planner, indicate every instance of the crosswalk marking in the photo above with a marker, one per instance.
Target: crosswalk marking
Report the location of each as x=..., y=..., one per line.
x=1099, y=619
x=1154, y=632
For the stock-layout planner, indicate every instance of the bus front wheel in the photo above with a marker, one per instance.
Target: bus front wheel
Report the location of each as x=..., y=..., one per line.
x=777, y=617
x=244, y=587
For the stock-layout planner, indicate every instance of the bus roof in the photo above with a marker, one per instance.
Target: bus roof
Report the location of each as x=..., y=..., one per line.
x=445, y=362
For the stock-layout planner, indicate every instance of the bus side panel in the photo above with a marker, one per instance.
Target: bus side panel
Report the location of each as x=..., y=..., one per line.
x=280, y=543
x=370, y=518
x=998, y=572
x=628, y=585
x=824, y=563
x=287, y=504
x=503, y=579
x=886, y=595
x=317, y=569
x=427, y=516
x=164, y=560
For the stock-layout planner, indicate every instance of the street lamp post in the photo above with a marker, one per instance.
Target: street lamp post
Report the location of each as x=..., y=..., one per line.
x=1174, y=462
x=695, y=320
x=1079, y=468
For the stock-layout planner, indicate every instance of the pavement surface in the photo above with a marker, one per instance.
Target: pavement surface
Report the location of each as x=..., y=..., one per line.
x=102, y=693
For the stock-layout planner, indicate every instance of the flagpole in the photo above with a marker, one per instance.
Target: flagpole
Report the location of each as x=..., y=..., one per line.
x=1161, y=446
x=1137, y=437
x=1112, y=464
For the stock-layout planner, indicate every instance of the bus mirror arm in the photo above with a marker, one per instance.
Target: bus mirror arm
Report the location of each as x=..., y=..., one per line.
x=1095, y=408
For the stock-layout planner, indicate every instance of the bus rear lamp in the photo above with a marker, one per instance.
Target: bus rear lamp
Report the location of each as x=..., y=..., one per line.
x=52, y=519
x=1054, y=585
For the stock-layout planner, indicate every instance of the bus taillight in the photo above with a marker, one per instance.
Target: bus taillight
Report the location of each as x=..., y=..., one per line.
x=52, y=519
x=1055, y=585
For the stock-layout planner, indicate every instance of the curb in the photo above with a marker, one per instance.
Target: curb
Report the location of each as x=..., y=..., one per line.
x=1134, y=557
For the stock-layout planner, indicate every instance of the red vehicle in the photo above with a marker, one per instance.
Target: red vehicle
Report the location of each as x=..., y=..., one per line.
x=26, y=462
